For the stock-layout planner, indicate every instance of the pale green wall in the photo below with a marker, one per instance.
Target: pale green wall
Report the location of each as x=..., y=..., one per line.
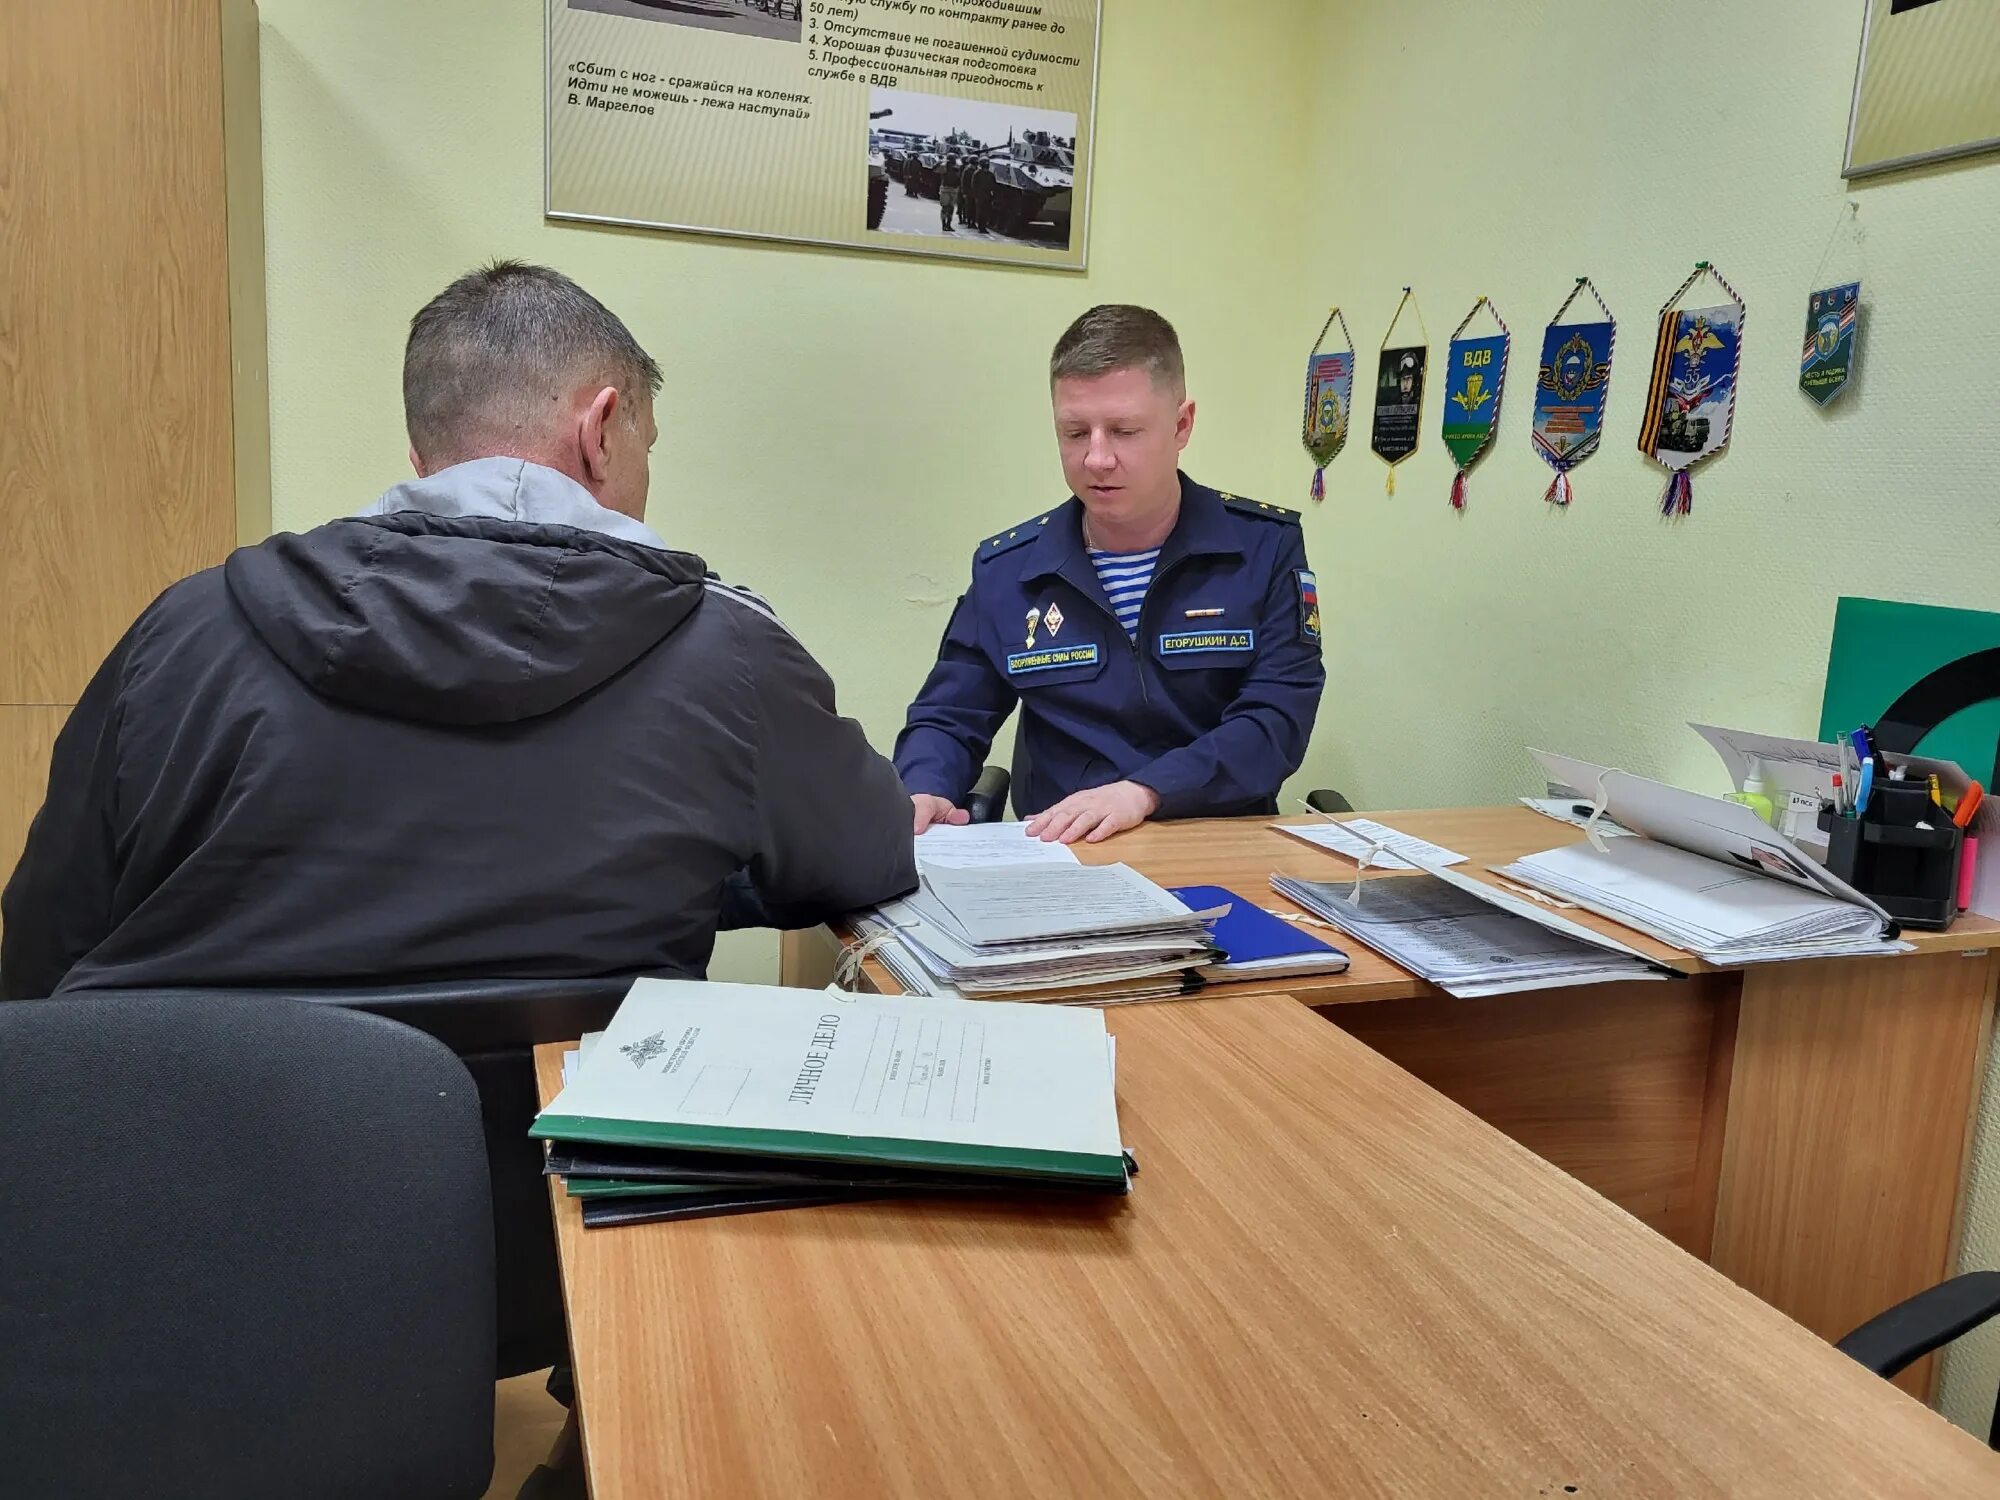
x=1510, y=146
x=840, y=429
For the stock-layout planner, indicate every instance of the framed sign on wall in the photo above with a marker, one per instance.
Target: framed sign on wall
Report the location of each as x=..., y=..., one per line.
x=1928, y=84
x=957, y=128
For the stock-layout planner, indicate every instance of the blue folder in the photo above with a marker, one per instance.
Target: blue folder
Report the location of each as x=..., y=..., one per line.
x=1255, y=941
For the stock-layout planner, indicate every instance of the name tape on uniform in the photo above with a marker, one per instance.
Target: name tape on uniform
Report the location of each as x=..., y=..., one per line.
x=1208, y=640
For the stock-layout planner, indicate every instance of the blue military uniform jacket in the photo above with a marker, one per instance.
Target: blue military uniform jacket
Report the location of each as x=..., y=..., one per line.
x=1211, y=707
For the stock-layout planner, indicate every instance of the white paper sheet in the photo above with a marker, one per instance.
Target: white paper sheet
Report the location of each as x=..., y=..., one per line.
x=1374, y=846
x=972, y=846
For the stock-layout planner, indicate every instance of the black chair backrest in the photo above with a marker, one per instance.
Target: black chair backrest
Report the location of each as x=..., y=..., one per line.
x=470, y=1016
x=247, y=1251
x=493, y=1025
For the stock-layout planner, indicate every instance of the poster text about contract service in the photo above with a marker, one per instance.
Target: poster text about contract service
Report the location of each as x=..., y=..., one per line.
x=958, y=127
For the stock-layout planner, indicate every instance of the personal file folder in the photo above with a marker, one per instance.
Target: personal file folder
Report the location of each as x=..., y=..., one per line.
x=1014, y=1093
x=1254, y=942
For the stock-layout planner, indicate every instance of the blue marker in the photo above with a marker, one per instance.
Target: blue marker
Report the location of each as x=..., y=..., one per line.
x=1867, y=786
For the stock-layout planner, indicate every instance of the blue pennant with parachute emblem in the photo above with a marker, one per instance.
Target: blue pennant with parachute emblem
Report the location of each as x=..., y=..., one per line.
x=1570, y=391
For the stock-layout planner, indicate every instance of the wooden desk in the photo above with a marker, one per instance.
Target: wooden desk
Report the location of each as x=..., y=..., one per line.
x=1805, y=1127
x=1329, y=1281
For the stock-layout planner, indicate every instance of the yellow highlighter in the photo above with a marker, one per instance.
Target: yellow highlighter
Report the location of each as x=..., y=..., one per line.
x=1937, y=796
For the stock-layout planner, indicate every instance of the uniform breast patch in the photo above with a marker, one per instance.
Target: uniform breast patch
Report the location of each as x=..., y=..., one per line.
x=1185, y=641
x=1308, y=605
x=1051, y=657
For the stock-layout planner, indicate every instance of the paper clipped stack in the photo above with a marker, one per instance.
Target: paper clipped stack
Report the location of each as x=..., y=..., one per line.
x=1053, y=929
x=703, y=1099
x=1467, y=938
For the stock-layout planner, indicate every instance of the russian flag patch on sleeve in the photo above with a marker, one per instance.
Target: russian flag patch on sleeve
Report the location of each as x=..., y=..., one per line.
x=1308, y=605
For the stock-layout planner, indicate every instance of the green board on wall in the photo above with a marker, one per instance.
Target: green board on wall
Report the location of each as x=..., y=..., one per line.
x=1881, y=648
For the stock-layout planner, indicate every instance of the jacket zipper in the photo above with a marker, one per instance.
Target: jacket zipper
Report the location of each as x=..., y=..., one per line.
x=1138, y=650
x=1138, y=656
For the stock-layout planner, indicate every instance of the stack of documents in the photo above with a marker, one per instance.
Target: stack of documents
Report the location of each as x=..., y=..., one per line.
x=1466, y=938
x=1051, y=931
x=1725, y=914
x=703, y=1099
x=1705, y=875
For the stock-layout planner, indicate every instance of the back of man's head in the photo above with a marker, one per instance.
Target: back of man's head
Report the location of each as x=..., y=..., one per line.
x=505, y=359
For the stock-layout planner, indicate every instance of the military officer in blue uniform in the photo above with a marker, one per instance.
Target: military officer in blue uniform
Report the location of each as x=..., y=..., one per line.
x=1161, y=638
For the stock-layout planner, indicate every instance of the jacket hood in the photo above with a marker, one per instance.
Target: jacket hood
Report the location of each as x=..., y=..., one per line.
x=440, y=614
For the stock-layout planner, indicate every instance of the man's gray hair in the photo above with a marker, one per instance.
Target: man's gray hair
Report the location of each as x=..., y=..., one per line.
x=1117, y=336
x=494, y=352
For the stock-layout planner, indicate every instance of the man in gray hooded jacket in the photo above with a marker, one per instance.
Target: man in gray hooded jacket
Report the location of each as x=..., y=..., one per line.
x=490, y=727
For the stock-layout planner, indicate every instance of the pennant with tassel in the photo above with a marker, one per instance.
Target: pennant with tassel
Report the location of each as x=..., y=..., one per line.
x=1399, y=392
x=1329, y=400
x=1571, y=389
x=1475, y=376
x=1691, y=402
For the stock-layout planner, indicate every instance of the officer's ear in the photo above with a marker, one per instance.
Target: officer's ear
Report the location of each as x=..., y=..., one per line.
x=1183, y=425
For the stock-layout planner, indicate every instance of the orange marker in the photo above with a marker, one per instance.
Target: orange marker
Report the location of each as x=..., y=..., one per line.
x=1968, y=805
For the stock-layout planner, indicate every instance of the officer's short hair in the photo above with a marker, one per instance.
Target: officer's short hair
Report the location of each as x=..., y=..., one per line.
x=493, y=351
x=1118, y=336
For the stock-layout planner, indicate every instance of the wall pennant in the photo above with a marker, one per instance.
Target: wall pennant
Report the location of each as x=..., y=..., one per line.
x=1827, y=363
x=1329, y=400
x=1399, y=392
x=1570, y=392
x=1475, y=376
x=1691, y=401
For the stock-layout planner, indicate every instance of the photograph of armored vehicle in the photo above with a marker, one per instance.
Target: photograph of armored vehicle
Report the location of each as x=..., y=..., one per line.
x=1034, y=180
x=878, y=170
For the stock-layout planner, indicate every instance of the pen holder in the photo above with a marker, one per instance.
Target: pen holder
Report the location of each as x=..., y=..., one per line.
x=1911, y=872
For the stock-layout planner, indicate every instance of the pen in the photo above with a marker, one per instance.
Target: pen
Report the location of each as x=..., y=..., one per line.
x=1968, y=805
x=1839, y=797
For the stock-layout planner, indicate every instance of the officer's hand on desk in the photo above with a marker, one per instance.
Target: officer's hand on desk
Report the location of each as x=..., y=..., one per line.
x=1096, y=814
x=931, y=810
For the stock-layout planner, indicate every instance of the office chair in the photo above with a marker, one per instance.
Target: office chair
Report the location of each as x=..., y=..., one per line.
x=1328, y=801
x=1904, y=1334
x=248, y=1253
x=988, y=801
x=493, y=1025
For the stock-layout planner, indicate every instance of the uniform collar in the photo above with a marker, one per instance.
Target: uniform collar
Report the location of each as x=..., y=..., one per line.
x=1201, y=528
